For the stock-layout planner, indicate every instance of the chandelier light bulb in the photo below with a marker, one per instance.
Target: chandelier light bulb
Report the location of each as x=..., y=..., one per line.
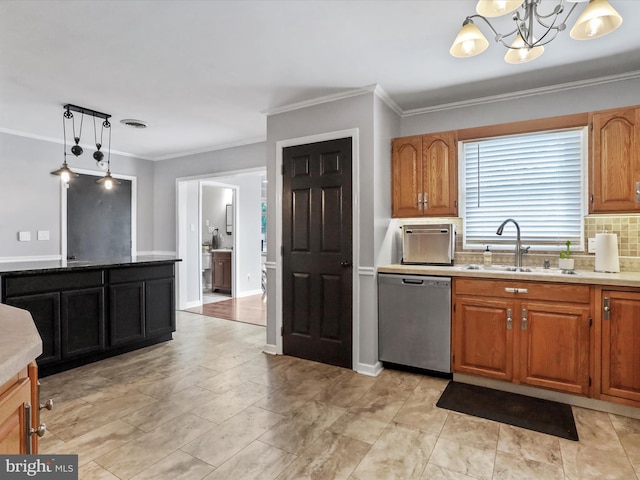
x=469, y=42
x=64, y=176
x=597, y=20
x=108, y=184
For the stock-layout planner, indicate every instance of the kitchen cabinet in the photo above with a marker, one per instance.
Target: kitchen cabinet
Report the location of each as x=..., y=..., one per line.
x=15, y=394
x=424, y=175
x=83, y=315
x=615, y=161
x=221, y=271
x=532, y=333
x=619, y=319
x=141, y=302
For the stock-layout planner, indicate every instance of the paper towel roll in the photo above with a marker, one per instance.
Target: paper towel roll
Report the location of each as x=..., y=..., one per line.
x=607, y=253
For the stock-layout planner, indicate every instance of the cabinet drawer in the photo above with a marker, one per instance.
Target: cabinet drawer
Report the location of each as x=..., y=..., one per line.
x=222, y=255
x=51, y=282
x=525, y=290
x=136, y=274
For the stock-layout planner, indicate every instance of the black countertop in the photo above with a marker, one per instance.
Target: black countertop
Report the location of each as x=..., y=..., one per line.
x=71, y=265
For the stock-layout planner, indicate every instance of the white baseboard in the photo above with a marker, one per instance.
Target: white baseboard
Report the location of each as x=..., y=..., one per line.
x=370, y=370
x=250, y=293
x=192, y=304
x=33, y=258
x=270, y=349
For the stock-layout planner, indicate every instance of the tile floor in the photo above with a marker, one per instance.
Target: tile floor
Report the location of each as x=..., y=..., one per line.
x=210, y=405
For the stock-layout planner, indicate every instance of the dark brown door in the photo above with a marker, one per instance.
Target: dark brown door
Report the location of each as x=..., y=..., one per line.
x=317, y=252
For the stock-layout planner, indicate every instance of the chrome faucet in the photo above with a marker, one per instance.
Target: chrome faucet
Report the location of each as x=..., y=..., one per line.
x=519, y=250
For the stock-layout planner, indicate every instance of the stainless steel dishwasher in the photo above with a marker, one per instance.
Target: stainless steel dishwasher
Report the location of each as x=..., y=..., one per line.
x=414, y=321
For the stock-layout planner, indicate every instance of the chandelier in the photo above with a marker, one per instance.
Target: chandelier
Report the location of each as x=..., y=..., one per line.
x=533, y=28
x=64, y=171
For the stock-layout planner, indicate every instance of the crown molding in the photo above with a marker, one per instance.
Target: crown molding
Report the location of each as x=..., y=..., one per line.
x=390, y=102
x=320, y=100
x=523, y=93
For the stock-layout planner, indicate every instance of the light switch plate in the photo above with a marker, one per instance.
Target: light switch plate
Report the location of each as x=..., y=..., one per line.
x=592, y=245
x=43, y=234
x=24, y=236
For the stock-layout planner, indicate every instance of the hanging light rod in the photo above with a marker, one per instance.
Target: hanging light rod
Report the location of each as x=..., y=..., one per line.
x=86, y=111
x=533, y=29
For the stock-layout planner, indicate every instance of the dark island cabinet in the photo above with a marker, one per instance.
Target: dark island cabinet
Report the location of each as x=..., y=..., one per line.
x=87, y=315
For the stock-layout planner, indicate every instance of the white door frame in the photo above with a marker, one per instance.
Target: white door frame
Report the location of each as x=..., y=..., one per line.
x=352, y=133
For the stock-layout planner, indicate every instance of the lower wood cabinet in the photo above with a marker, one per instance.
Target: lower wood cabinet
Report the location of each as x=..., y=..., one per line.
x=619, y=320
x=523, y=332
x=21, y=390
x=221, y=271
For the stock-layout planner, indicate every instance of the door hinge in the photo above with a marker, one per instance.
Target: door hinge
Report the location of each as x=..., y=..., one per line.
x=591, y=126
x=590, y=321
x=454, y=307
x=591, y=198
x=589, y=381
x=455, y=203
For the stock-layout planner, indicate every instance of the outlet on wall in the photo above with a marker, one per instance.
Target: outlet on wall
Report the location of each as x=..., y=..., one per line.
x=24, y=236
x=591, y=248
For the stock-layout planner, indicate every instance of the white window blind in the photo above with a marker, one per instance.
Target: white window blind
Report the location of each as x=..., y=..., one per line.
x=536, y=179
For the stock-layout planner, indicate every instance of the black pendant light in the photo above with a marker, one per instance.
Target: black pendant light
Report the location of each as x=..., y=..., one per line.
x=64, y=172
x=76, y=149
x=108, y=181
x=98, y=156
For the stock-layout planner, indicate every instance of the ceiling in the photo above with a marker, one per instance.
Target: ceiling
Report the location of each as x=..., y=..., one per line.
x=204, y=74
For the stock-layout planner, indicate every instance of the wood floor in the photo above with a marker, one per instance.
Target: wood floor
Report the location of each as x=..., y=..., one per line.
x=250, y=309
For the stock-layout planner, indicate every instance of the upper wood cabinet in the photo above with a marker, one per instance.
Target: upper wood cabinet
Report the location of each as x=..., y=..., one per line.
x=615, y=161
x=424, y=175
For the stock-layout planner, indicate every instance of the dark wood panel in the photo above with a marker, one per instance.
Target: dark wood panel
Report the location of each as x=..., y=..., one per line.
x=301, y=219
x=138, y=273
x=83, y=323
x=159, y=307
x=301, y=294
x=47, y=282
x=45, y=311
x=331, y=219
x=126, y=302
x=330, y=322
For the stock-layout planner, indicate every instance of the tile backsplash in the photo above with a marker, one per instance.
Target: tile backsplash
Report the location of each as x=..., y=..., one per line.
x=625, y=226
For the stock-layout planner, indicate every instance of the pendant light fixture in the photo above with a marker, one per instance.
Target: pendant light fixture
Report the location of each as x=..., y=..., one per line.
x=64, y=171
x=597, y=19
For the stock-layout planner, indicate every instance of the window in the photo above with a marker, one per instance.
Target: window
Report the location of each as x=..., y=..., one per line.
x=536, y=179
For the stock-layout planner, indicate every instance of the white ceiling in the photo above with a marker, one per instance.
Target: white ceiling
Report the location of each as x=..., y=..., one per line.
x=204, y=74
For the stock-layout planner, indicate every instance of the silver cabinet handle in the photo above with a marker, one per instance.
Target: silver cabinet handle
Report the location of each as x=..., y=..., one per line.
x=419, y=200
x=524, y=319
x=509, y=319
x=48, y=405
x=606, y=309
x=425, y=199
x=516, y=290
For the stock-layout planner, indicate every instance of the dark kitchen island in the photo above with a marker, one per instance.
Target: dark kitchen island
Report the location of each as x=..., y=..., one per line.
x=89, y=310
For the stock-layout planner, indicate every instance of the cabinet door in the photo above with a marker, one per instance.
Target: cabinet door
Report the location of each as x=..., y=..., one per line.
x=160, y=314
x=406, y=176
x=615, y=165
x=126, y=312
x=226, y=274
x=12, y=417
x=45, y=310
x=440, y=180
x=554, y=346
x=82, y=321
x=621, y=345
x=483, y=337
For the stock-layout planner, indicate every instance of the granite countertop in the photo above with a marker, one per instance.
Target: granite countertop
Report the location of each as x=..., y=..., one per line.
x=20, y=342
x=70, y=265
x=496, y=272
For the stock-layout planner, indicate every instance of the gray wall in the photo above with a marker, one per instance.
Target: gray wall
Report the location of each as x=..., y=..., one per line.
x=202, y=164
x=376, y=126
x=30, y=196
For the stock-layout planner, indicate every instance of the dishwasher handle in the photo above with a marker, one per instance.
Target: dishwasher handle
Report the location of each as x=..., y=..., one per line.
x=410, y=281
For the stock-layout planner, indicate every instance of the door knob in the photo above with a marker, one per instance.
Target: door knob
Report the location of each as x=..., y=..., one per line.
x=345, y=263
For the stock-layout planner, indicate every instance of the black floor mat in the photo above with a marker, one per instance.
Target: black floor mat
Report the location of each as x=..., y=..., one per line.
x=531, y=413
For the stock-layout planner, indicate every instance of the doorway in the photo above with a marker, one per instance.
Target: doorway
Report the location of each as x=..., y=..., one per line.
x=317, y=252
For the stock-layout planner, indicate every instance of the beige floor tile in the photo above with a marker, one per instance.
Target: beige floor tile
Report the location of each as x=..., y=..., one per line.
x=584, y=462
x=529, y=445
x=296, y=432
x=150, y=448
x=508, y=467
x=346, y=391
x=461, y=458
x=177, y=466
x=331, y=456
x=228, y=404
x=471, y=431
x=230, y=437
x=257, y=461
x=49, y=443
x=100, y=441
x=595, y=429
x=228, y=380
x=152, y=416
x=360, y=427
x=93, y=471
x=624, y=425
x=434, y=472
x=420, y=410
x=168, y=385
x=400, y=452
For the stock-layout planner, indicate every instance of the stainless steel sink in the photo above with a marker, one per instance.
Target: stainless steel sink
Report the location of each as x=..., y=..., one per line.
x=512, y=269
